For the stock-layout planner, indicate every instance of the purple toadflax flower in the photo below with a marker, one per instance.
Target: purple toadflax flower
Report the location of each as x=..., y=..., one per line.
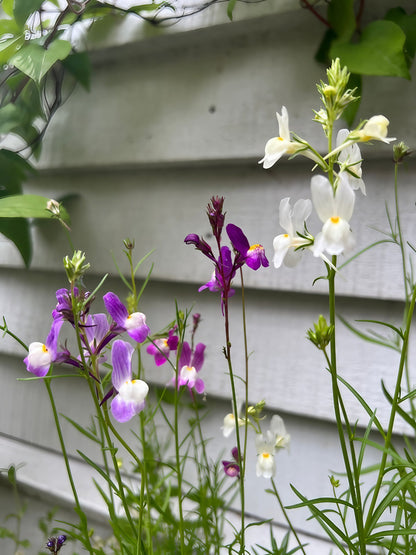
x=131, y=394
x=162, y=347
x=64, y=305
x=232, y=468
x=190, y=363
x=254, y=255
x=134, y=324
x=54, y=544
x=42, y=355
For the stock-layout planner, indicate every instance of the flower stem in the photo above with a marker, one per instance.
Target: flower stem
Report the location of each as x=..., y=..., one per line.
x=276, y=493
x=80, y=512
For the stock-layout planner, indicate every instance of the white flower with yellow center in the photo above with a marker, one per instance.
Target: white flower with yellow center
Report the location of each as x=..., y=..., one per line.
x=335, y=211
x=374, y=129
x=275, y=438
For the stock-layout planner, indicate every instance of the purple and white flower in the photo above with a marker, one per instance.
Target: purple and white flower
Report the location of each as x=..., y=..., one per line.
x=162, y=347
x=42, y=355
x=253, y=255
x=232, y=468
x=131, y=394
x=134, y=324
x=190, y=363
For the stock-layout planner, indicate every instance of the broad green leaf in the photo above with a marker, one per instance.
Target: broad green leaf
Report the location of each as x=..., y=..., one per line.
x=35, y=61
x=23, y=8
x=27, y=206
x=379, y=52
x=17, y=230
x=408, y=25
x=13, y=171
x=341, y=17
x=79, y=65
x=10, y=118
x=8, y=26
x=9, y=47
x=7, y=6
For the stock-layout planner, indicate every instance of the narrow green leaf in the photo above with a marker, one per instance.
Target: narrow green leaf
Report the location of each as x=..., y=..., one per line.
x=35, y=61
x=81, y=429
x=379, y=52
x=27, y=206
x=230, y=8
x=11, y=475
x=24, y=8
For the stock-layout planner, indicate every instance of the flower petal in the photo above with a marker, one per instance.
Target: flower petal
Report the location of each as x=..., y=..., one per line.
x=238, y=240
x=115, y=308
x=198, y=357
x=121, y=354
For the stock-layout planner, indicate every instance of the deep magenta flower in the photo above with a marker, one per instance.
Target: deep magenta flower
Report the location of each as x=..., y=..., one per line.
x=232, y=468
x=253, y=255
x=134, y=324
x=190, y=363
x=42, y=355
x=162, y=347
x=223, y=274
x=131, y=394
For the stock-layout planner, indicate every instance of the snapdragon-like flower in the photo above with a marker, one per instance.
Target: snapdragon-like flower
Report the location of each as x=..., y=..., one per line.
x=253, y=255
x=374, y=129
x=335, y=211
x=66, y=301
x=42, y=355
x=190, y=363
x=229, y=422
x=278, y=146
x=349, y=160
x=232, y=468
x=288, y=246
x=134, y=324
x=162, y=347
x=223, y=274
x=131, y=394
x=266, y=445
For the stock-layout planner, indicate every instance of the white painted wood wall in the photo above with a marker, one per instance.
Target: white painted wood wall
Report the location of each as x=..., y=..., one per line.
x=175, y=116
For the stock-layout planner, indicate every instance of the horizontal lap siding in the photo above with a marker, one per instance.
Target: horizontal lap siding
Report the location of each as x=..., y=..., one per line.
x=161, y=131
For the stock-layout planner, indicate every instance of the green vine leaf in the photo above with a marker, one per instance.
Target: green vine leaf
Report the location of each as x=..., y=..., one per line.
x=23, y=8
x=9, y=47
x=28, y=206
x=35, y=61
x=380, y=51
x=79, y=65
x=341, y=17
x=18, y=231
x=408, y=25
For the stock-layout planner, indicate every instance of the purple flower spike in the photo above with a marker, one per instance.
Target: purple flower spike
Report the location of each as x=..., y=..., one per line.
x=131, y=394
x=42, y=355
x=232, y=468
x=161, y=348
x=190, y=363
x=254, y=255
x=200, y=245
x=134, y=324
x=216, y=216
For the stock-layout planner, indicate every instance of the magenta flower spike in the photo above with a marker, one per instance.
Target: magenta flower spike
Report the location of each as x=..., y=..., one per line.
x=131, y=394
x=42, y=355
x=253, y=255
x=190, y=363
x=162, y=347
x=134, y=324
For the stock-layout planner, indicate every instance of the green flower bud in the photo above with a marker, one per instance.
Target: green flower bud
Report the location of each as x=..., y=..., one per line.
x=322, y=334
x=76, y=266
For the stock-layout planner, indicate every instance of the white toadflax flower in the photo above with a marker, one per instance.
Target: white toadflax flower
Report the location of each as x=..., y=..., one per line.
x=287, y=245
x=349, y=160
x=266, y=445
x=335, y=211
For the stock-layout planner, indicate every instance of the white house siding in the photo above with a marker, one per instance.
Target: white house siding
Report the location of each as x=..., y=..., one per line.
x=170, y=121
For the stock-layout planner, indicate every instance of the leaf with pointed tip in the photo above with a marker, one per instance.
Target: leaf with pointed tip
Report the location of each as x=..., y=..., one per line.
x=379, y=52
x=35, y=61
x=28, y=206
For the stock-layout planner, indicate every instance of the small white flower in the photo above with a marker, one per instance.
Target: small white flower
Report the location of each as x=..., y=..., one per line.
x=278, y=146
x=275, y=438
x=349, y=160
x=335, y=211
x=229, y=423
x=374, y=129
x=292, y=221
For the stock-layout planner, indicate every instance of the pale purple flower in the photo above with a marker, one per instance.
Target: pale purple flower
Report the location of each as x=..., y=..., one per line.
x=162, y=347
x=42, y=355
x=131, y=394
x=190, y=363
x=253, y=255
x=134, y=324
x=232, y=468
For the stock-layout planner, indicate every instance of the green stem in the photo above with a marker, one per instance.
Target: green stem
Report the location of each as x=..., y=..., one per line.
x=276, y=493
x=80, y=512
x=394, y=405
x=338, y=407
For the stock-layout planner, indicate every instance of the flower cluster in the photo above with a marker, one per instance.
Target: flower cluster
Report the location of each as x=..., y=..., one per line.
x=333, y=194
x=226, y=263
